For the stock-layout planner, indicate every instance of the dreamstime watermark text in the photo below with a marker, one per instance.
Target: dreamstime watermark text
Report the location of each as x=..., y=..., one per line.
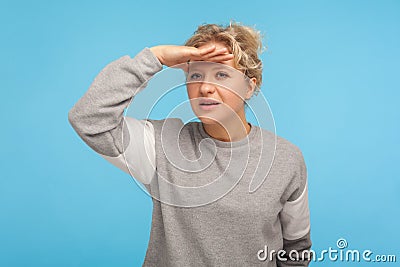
x=340, y=253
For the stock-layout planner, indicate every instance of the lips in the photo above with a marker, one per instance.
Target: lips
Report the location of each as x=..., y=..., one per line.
x=207, y=104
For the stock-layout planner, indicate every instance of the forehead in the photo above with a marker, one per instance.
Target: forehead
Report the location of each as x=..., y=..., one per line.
x=206, y=66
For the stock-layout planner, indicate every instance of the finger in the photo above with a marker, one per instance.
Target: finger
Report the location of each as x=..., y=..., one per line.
x=220, y=52
x=200, y=52
x=223, y=57
x=206, y=50
x=216, y=53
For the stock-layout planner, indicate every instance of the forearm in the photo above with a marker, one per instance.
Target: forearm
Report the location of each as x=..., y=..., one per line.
x=297, y=252
x=97, y=117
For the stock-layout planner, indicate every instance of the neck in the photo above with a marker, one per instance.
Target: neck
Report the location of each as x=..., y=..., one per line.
x=230, y=131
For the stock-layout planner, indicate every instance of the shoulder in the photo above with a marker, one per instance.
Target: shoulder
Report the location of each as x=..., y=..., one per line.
x=288, y=164
x=289, y=158
x=166, y=124
x=288, y=149
x=170, y=129
x=284, y=149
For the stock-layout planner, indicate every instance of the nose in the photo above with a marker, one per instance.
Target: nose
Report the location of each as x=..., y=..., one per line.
x=207, y=88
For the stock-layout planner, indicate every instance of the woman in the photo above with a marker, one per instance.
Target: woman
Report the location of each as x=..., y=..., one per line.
x=199, y=172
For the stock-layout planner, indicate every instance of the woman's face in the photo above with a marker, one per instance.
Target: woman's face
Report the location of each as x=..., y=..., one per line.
x=217, y=90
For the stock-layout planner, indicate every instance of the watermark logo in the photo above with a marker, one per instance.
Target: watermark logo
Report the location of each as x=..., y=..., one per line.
x=340, y=253
x=341, y=243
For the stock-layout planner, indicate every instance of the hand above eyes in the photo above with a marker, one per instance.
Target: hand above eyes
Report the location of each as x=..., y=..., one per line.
x=171, y=55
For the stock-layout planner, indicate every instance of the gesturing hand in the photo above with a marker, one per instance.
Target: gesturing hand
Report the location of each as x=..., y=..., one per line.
x=171, y=55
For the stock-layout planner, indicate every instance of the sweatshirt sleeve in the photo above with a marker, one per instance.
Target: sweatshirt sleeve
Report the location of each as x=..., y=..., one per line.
x=98, y=119
x=295, y=220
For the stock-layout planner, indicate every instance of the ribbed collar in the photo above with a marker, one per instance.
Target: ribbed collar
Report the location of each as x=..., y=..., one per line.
x=242, y=142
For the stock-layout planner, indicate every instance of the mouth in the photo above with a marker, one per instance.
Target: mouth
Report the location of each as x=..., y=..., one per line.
x=208, y=104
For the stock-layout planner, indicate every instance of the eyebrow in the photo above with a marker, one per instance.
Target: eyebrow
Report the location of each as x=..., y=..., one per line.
x=229, y=68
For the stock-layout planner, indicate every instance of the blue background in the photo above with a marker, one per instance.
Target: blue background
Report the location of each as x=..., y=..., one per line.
x=331, y=77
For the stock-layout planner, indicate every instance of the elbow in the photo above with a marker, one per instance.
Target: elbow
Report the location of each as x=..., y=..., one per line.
x=77, y=121
x=72, y=118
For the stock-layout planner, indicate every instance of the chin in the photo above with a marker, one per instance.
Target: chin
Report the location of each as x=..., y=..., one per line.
x=211, y=121
x=218, y=117
x=207, y=120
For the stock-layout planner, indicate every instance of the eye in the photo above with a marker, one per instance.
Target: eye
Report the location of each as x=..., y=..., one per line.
x=222, y=75
x=195, y=76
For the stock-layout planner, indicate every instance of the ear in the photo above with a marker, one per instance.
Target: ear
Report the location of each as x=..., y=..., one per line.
x=252, y=83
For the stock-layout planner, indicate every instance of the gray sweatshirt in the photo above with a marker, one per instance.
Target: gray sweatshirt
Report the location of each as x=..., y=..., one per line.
x=268, y=227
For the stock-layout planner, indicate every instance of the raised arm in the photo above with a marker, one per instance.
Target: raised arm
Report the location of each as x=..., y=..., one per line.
x=98, y=118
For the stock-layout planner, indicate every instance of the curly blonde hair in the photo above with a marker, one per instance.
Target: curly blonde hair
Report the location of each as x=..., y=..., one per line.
x=243, y=41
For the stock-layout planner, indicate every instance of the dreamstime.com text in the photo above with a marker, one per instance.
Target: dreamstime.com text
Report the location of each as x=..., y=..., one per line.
x=332, y=254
